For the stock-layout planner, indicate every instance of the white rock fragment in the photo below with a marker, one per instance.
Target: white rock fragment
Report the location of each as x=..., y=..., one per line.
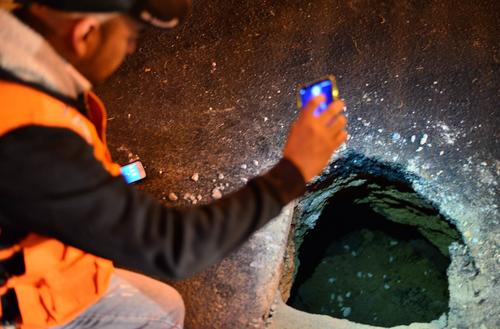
x=346, y=311
x=195, y=177
x=243, y=166
x=220, y=176
x=386, y=286
x=413, y=138
x=255, y=163
x=173, y=197
x=160, y=172
x=332, y=280
x=199, y=197
x=420, y=149
x=359, y=274
x=348, y=294
x=216, y=194
x=424, y=139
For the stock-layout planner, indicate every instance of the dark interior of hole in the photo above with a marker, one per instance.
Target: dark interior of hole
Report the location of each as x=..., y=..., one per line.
x=403, y=281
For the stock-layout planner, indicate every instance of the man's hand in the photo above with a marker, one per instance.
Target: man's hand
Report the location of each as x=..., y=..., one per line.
x=313, y=139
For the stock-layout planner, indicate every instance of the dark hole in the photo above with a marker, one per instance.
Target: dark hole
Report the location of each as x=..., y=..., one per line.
x=357, y=264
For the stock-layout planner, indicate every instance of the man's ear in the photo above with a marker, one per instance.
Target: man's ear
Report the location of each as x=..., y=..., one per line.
x=83, y=34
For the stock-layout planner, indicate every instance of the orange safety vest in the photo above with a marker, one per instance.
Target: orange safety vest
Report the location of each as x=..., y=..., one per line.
x=59, y=281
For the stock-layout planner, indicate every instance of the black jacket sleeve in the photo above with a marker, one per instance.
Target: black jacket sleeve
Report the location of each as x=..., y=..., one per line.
x=51, y=184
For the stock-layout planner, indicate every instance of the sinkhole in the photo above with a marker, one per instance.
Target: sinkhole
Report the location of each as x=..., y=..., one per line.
x=370, y=249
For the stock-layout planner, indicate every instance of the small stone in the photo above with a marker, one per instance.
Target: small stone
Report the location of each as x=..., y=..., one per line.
x=386, y=286
x=346, y=311
x=220, y=176
x=173, y=197
x=147, y=69
x=243, y=166
x=244, y=180
x=160, y=172
x=195, y=177
x=424, y=139
x=216, y=194
x=255, y=163
x=199, y=197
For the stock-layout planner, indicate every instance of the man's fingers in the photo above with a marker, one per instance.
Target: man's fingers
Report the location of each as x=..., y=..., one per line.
x=337, y=123
x=331, y=112
x=314, y=104
x=340, y=138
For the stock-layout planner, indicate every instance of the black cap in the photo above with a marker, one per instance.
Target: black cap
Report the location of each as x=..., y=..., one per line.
x=159, y=13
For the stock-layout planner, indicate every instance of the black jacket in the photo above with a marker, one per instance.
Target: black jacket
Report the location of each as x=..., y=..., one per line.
x=51, y=184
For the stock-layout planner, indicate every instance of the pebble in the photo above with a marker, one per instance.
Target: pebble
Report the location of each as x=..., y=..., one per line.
x=346, y=311
x=173, y=197
x=424, y=139
x=243, y=166
x=220, y=176
x=195, y=177
x=199, y=197
x=244, y=180
x=216, y=193
x=255, y=162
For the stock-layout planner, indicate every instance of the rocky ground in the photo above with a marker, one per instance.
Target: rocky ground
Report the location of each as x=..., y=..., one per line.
x=420, y=79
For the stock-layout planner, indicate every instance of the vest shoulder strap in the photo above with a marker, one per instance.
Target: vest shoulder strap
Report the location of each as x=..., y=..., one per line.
x=22, y=106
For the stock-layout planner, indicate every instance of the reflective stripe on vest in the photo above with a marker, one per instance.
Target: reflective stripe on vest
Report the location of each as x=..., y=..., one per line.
x=60, y=281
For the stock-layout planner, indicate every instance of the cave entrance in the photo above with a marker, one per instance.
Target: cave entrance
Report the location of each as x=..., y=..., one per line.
x=377, y=254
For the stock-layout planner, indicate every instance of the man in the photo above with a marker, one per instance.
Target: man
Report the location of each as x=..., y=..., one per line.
x=66, y=215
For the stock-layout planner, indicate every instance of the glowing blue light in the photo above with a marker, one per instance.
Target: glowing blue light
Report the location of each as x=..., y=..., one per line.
x=316, y=90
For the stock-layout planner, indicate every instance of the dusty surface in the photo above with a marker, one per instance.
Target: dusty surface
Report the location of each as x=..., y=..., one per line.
x=420, y=80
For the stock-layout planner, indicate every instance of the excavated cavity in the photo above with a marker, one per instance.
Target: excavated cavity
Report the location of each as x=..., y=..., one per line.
x=371, y=250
